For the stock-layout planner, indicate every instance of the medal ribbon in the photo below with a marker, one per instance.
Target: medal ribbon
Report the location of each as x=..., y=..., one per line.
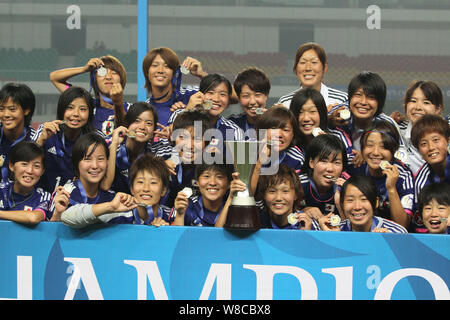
x=150, y=213
x=83, y=193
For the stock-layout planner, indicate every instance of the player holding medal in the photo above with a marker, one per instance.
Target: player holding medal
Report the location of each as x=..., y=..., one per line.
x=108, y=79
x=393, y=179
x=163, y=72
x=359, y=203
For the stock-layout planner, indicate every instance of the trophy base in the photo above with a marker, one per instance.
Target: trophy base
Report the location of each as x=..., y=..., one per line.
x=243, y=218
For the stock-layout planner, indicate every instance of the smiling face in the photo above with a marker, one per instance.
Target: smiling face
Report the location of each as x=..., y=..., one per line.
x=160, y=74
x=147, y=188
x=419, y=105
x=281, y=137
x=433, y=215
x=76, y=114
x=433, y=148
x=26, y=174
x=310, y=70
x=362, y=106
x=143, y=127
x=12, y=115
x=220, y=99
x=326, y=171
x=251, y=100
x=189, y=146
x=93, y=166
x=213, y=185
x=374, y=151
x=308, y=118
x=357, y=208
x=280, y=198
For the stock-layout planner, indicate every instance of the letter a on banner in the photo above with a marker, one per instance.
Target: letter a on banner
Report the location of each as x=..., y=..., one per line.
x=83, y=271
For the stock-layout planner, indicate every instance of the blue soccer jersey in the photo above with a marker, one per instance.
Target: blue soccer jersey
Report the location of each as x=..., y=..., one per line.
x=247, y=128
x=104, y=118
x=377, y=222
x=185, y=177
x=160, y=148
x=268, y=223
x=5, y=149
x=36, y=200
x=163, y=108
x=78, y=195
x=292, y=157
x=356, y=133
x=404, y=186
x=197, y=215
x=58, y=160
x=426, y=176
x=346, y=140
x=312, y=198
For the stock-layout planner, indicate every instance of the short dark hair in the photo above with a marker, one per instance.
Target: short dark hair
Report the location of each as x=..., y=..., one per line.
x=212, y=80
x=224, y=168
x=427, y=124
x=438, y=191
x=389, y=135
x=22, y=95
x=284, y=173
x=26, y=151
x=303, y=95
x=81, y=147
x=187, y=118
x=254, y=78
x=278, y=116
x=136, y=109
x=71, y=94
x=150, y=163
x=323, y=146
x=366, y=185
x=372, y=85
x=320, y=51
x=430, y=90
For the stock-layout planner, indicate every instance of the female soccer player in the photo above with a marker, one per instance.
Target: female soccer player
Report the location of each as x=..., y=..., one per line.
x=162, y=72
x=148, y=183
x=17, y=103
x=393, y=179
x=359, y=202
x=310, y=67
x=74, y=114
x=108, y=79
x=20, y=200
x=421, y=98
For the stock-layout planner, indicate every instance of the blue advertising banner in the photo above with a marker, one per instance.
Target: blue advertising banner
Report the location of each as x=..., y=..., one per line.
x=53, y=261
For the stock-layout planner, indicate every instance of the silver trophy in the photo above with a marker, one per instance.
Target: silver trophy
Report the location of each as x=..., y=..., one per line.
x=243, y=213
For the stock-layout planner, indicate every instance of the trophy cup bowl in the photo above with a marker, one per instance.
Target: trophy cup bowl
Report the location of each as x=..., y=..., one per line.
x=243, y=213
